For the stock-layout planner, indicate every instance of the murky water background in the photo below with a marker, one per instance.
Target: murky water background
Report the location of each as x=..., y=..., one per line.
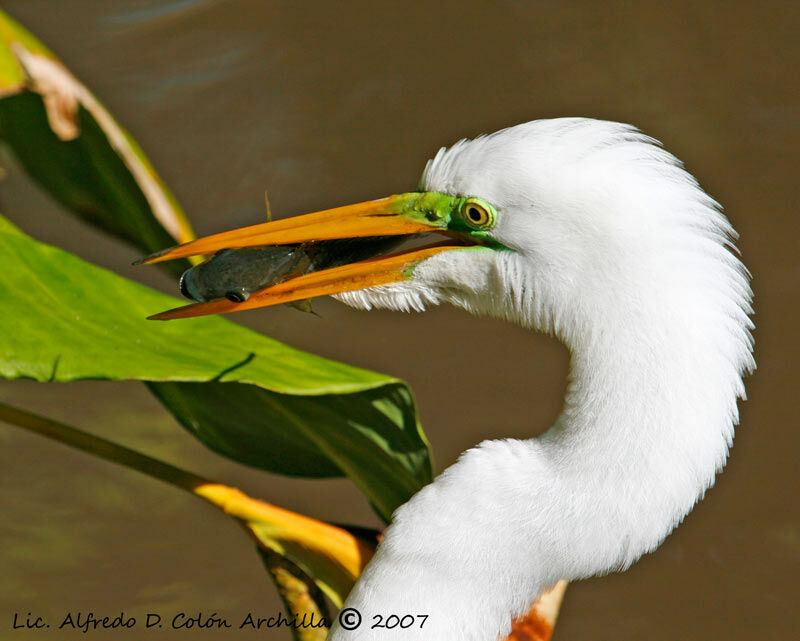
x=330, y=103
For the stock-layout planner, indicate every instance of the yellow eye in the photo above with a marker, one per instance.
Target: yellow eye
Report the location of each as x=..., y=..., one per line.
x=477, y=214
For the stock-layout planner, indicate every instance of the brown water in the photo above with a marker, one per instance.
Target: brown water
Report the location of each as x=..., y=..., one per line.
x=331, y=103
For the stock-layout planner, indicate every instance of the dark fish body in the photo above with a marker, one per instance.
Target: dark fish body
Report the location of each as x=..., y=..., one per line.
x=236, y=273
x=326, y=254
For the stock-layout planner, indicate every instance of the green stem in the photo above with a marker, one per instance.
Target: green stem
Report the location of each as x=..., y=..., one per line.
x=331, y=554
x=101, y=448
x=302, y=597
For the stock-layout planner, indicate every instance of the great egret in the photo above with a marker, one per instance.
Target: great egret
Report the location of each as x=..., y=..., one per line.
x=590, y=231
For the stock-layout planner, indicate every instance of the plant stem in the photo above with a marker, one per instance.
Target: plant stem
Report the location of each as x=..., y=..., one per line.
x=101, y=448
x=310, y=541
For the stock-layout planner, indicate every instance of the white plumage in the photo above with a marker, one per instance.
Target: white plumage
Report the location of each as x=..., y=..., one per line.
x=618, y=252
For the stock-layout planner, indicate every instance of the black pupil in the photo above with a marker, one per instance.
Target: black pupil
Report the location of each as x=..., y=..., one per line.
x=234, y=297
x=475, y=214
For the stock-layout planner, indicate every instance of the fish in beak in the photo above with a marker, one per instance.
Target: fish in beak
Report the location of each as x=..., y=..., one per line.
x=464, y=221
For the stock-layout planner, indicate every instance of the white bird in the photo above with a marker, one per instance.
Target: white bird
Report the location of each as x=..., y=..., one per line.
x=590, y=231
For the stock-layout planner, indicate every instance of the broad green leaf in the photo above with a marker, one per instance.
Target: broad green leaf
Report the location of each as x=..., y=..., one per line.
x=262, y=403
x=74, y=148
x=295, y=547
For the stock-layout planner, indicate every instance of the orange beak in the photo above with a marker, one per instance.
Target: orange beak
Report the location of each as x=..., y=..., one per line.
x=403, y=214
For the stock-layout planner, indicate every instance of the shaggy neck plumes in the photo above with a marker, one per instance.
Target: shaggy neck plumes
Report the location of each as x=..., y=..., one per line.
x=646, y=425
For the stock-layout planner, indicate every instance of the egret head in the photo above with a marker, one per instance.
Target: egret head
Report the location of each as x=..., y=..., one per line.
x=549, y=224
x=591, y=222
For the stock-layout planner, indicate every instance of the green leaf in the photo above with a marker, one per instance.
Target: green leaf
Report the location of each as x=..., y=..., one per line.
x=262, y=403
x=68, y=142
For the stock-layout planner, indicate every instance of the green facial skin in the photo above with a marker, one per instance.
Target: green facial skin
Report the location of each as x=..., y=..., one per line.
x=446, y=213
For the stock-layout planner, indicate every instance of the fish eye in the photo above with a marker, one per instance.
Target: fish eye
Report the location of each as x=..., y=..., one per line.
x=185, y=286
x=237, y=297
x=478, y=214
